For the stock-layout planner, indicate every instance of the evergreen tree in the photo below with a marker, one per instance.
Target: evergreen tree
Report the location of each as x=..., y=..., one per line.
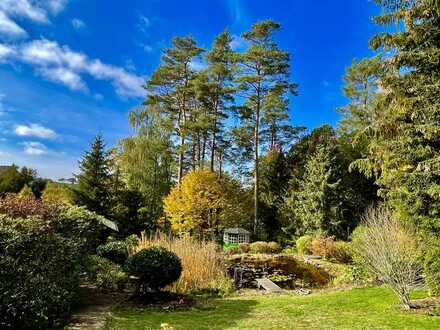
x=362, y=83
x=216, y=91
x=264, y=69
x=316, y=205
x=171, y=92
x=275, y=176
x=94, y=180
x=404, y=149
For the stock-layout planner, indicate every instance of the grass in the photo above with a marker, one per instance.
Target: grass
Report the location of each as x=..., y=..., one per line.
x=361, y=308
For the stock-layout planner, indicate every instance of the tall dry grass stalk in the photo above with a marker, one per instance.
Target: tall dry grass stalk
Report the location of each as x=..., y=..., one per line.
x=389, y=251
x=202, y=262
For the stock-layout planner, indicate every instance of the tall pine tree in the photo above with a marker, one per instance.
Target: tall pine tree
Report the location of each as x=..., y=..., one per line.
x=264, y=69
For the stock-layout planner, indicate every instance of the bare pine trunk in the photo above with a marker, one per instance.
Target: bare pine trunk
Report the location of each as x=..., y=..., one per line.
x=256, y=161
x=182, y=144
x=214, y=136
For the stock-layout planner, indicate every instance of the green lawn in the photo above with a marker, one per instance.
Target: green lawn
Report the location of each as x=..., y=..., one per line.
x=365, y=308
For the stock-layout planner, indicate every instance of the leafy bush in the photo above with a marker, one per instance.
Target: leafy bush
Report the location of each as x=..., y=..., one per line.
x=328, y=248
x=274, y=247
x=228, y=246
x=432, y=270
x=15, y=206
x=56, y=193
x=112, y=278
x=244, y=248
x=39, y=274
x=156, y=267
x=82, y=225
x=106, y=274
x=115, y=251
x=202, y=262
x=341, y=252
x=303, y=244
x=131, y=241
x=322, y=246
x=259, y=247
x=289, y=250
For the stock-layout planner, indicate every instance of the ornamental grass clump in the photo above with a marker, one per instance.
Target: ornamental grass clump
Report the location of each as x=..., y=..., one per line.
x=202, y=262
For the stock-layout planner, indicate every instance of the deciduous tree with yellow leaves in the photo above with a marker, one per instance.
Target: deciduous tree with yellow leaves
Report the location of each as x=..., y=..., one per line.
x=204, y=203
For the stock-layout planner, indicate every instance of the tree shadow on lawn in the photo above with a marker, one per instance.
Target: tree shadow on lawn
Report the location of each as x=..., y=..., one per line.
x=212, y=314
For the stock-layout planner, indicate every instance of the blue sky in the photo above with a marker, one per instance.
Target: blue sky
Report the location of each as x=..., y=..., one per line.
x=70, y=69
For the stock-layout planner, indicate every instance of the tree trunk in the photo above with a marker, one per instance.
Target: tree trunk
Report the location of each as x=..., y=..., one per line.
x=205, y=138
x=256, y=161
x=182, y=144
x=214, y=136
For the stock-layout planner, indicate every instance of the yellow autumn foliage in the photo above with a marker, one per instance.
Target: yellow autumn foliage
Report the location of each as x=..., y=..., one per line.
x=206, y=203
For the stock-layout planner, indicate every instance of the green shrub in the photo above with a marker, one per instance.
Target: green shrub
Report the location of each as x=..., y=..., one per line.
x=156, y=267
x=264, y=247
x=131, y=241
x=106, y=274
x=115, y=251
x=39, y=274
x=303, y=244
x=341, y=252
x=84, y=226
x=228, y=246
x=328, y=248
x=432, y=270
x=356, y=237
x=111, y=278
x=274, y=247
x=259, y=247
x=289, y=250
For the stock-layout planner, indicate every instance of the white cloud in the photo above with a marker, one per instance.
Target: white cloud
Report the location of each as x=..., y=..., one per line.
x=34, y=10
x=56, y=6
x=65, y=77
x=35, y=130
x=5, y=51
x=78, y=24
x=25, y=8
x=62, y=65
x=34, y=148
x=9, y=27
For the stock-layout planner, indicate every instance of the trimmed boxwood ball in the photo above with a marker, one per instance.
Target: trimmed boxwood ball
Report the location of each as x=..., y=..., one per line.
x=115, y=251
x=156, y=267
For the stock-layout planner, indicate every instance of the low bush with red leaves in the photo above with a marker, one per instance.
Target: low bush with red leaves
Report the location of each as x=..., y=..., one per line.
x=15, y=207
